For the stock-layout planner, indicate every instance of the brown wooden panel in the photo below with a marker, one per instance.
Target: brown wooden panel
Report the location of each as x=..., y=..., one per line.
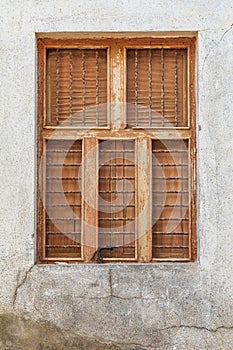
x=117, y=198
x=170, y=199
x=76, y=87
x=63, y=209
x=156, y=87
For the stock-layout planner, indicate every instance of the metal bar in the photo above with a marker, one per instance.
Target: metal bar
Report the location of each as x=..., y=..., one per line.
x=63, y=151
x=176, y=89
x=162, y=85
x=167, y=164
x=63, y=192
x=110, y=164
x=115, y=151
x=171, y=205
x=49, y=246
x=169, y=151
x=136, y=87
x=117, y=178
x=62, y=164
x=116, y=192
x=63, y=205
x=63, y=233
x=117, y=233
x=57, y=84
x=71, y=85
x=116, y=219
x=181, y=200
x=116, y=205
x=172, y=219
x=170, y=233
x=170, y=191
x=150, y=88
x=123, y=228
x=170, y=247
x=83, y=86
x=62, y=219
x=63, y=178
x=97, y=87
x=171, y=178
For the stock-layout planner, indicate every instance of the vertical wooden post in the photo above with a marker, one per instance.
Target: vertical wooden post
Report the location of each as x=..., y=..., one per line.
x=90, y=197
x=117, y=64
x=144, y=204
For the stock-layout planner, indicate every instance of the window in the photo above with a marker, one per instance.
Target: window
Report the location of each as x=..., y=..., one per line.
x=116, y=149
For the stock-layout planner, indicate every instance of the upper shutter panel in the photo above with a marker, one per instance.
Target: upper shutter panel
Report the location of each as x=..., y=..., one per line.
x=157, y=87
x=76, y=87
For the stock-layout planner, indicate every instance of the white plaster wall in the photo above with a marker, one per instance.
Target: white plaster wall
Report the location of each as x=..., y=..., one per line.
x=193, y=301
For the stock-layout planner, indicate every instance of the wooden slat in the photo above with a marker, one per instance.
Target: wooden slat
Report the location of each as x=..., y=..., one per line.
x=73, y=134
x=127, y=39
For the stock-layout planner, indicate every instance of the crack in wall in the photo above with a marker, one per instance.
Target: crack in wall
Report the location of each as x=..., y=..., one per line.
x=27, y=326
x=19, y=284
x=216, y=45
x=110, y=282
x=214, y=330
x=38, y=311
x=174, y=327
x=112, y=295
x=150, y=345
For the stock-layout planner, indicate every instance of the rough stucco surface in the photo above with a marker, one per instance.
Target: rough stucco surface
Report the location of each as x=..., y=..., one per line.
x=163, y=306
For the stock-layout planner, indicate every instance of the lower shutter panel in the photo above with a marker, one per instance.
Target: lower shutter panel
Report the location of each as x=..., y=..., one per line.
x=63, y=199
x=117, y=198
x=170, y=186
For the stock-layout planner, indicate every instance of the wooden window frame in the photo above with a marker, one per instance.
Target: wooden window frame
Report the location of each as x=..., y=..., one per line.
x=116, y=47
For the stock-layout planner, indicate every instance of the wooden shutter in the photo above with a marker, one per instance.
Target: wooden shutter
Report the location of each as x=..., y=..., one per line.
x=117, y=198
x=170, y=198
x=63, y=199
x=76, y=87
x=156, y=86
x=146, y=212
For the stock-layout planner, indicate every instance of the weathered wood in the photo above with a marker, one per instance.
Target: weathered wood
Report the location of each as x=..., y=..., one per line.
x=40, y=147
x=144, y=200
x=192, y=145
x=117, y=73
x=90, y=198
